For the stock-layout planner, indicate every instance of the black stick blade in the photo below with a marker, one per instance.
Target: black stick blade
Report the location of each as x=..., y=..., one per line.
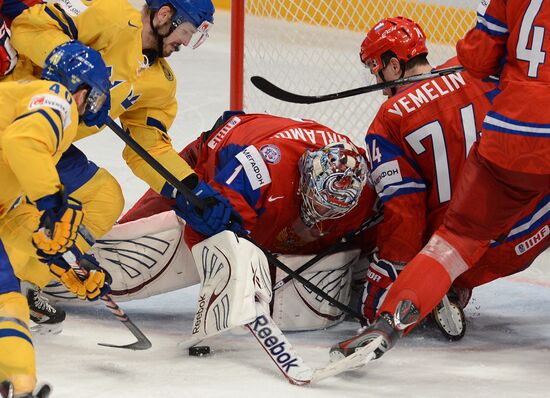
x=272, y=90
x=142, y=343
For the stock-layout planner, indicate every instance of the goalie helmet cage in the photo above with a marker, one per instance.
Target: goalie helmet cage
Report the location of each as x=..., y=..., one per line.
x=312, y=47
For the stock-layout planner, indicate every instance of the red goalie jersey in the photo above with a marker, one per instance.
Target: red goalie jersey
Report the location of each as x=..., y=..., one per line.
x=253, y=161
x=512, y=38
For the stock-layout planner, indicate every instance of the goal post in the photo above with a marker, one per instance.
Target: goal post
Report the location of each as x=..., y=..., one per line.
x=312, y=47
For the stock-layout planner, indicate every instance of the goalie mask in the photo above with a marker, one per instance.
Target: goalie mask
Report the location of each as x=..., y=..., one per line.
x=331, y=181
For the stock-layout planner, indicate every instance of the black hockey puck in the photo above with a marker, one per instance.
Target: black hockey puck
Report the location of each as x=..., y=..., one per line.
x=199, y=350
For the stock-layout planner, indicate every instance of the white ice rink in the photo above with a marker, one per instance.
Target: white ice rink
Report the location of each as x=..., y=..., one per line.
x=505, y=353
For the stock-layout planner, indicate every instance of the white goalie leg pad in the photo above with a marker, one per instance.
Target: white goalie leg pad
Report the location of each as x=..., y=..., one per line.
x=297, y=308
x=234, y=275
x=145, y=257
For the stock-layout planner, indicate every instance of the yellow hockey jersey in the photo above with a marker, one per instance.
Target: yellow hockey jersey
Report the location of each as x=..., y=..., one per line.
x=38, y=122
x=142, y=97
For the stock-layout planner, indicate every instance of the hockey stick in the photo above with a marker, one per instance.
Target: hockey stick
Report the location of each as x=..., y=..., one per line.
x=189, y=195
x=378, y=217
x=290, y=363
x=142, y=343
x=276, y=92
x=293, y=367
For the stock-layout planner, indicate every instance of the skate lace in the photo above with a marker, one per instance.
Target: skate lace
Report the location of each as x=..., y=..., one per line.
x=42, y=303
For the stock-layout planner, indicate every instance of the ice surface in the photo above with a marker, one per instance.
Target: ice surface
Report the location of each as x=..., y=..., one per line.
x=506, y=351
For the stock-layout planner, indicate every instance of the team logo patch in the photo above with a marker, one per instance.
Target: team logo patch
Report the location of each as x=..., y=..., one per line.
x=254, y=167
x=72, y=7
x=54, y=102
x=271, y=153
x=386, y=174
x=167, y=72
x=534, y=240
x=379, y=26
x=214, y=141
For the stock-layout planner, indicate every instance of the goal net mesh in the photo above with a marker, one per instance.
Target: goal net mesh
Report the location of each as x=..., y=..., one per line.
x=312, y=47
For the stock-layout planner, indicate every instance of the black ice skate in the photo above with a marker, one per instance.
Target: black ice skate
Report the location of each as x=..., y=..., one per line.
x=387, y=326
x=6, y=391
x=47, y=318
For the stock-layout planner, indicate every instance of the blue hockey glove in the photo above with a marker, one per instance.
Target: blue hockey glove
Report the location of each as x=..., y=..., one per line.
x=380, y=276
x=217, y=216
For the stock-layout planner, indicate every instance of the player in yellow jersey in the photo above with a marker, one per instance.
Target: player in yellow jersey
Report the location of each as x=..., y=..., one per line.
x=37, y=218
x=134, y=46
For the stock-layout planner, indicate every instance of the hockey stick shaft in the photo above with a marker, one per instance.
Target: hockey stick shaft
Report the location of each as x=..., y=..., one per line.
x=279, y=349
x=331, y=249
x=155, y=164
x=189, y=195
x=276, y=92
x=290, y=363
x=142, y=343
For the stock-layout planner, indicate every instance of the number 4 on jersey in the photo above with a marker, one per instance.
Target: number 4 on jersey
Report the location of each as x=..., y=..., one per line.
x=534, y=55
x=373, y=154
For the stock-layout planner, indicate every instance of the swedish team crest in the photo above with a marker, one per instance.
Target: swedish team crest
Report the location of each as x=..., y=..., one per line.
x=167, y=72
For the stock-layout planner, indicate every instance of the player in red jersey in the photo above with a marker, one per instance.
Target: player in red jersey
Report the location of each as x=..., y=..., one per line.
x=9, y=9
x=266, y=188
x=298, y=187
x=417, y=146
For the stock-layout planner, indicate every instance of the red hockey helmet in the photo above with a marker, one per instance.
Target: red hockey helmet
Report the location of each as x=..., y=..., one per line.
x=401, y=35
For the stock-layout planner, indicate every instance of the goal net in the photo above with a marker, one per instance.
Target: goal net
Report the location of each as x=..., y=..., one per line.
x=312, y=47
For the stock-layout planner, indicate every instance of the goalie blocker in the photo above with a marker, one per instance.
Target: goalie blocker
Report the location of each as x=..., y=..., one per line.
x=147, y=257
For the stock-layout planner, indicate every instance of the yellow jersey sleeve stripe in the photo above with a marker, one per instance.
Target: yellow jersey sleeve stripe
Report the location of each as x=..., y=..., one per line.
x=4, y=333
x=151, y=121
x=72, y=27
x=58, y=133
x=14, y=320
x=64, y=27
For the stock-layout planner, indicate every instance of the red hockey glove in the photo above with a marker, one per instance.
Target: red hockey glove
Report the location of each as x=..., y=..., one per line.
x=380, y=276
x=8, y=56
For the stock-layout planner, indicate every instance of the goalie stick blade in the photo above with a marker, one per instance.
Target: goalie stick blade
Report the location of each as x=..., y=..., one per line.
x=290, y=363
x=274, y=91
x=358, y=359
x=279, y=349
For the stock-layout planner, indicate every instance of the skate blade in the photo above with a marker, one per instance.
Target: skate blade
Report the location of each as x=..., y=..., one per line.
x=358, y=359
x=45, y=329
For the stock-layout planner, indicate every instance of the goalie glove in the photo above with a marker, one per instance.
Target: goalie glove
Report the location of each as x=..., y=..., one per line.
x=380, y=276
x=8, y=56
x=59, y=224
